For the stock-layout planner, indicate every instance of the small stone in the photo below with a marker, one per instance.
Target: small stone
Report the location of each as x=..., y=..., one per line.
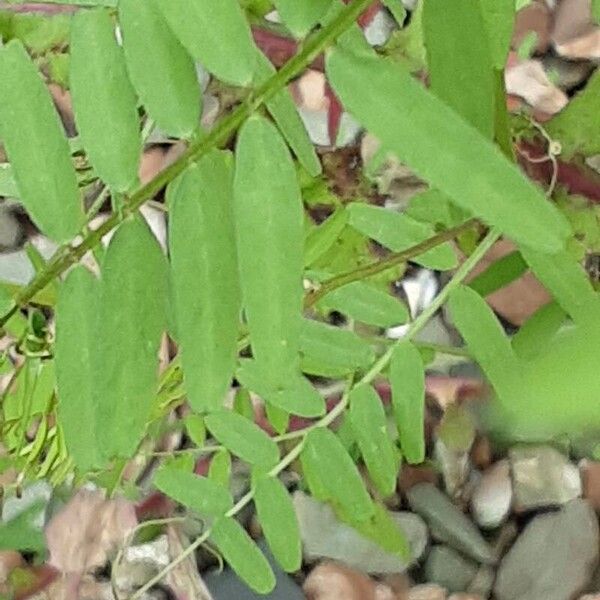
x=554, y=558
x=481, y=453
x=590, y=479
x=542, y=477
x=590, y=597
x=449, y=569
x=483, y=582
x=455, y=466
x=449, y=523
x=492, y=497
x=428, y=591
x=140, y=563
x=465, y=596
x=536, y=18
x=324, y=536
x=411, y=475
x=332, y=581
x=379, y=30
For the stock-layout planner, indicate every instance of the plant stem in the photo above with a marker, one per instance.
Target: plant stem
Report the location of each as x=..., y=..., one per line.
x=217, y=137
x=386, y=263
x=380, y=364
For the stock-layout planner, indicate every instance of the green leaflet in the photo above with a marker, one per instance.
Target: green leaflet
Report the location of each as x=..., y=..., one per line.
x=269, y=228
x=219, y=470
x=398, y=232
x=24, y=531
x=284, y=112
x=338, y=475
x=204, y=276
x=132, y=317
x=242, y=554
x=367, y=304
x=301, y=17
x=434, y=207
x=169, y=89
x=458, y=56
x=104, y=102
x=37, y=148
x=485, y=338
x=397, y=9
x=200, y=494
x=577, y=127
x=278, y=520
x=296, y=395
x=498, y=17
x=334, y=347
x=407, y=378
x=370, y=428
x=596, y=10
x=76, y=340
x=430, y=138
x=537, y=332
x=321, y=238
x=243, y=438
x=499, y=274
x=195, y=429
x=216, y=34
x=383, y=530
x=566, y=280
x=8, y=185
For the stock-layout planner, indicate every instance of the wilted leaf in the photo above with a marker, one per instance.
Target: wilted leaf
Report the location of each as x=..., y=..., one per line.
x=495, y=190
x=104, y=102
x=278, y=520
x=370, y=428
x=201, y=494
x=407, y=376
x=169, y=89
x=242, y=554
x=243, y=438
x=204, y=275
x=37, y=148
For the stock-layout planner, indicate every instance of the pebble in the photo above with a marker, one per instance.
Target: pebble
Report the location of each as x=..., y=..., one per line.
x=590, y=479
x=455, y=466
x=554, y=558
x=449, y=569
x=465, y=596
x=542, y=477
x=428, y=591
x=332, y=581
x=324, y=536
x=448, y=523
x=492, y=497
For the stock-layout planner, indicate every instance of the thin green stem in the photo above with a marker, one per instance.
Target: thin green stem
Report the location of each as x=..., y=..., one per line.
x=217, y=137
x=393, y=260
x=330, y=417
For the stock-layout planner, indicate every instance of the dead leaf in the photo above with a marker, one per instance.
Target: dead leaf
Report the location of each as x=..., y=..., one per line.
x=528, y=80
x=83, y=535
x=575, y=35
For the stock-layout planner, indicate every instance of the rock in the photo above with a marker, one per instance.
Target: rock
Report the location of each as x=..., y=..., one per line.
x=542, y=477
x=481, y=452
x=455, y=466
x=590, y=479
x=379, y=30
x=411, y=475
x=428, y=591
x=323, y=536
x=590, y=597
x=465, y=596
x=483, y=582
x=450, y=525
x=226, y=585
x=331, y=581
x=554, y=558
x=449, y=569
x=492, y=497
x=140, y=563
x=536, y=18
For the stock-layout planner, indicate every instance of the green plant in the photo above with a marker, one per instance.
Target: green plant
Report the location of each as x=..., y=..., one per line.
x=231, y=292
